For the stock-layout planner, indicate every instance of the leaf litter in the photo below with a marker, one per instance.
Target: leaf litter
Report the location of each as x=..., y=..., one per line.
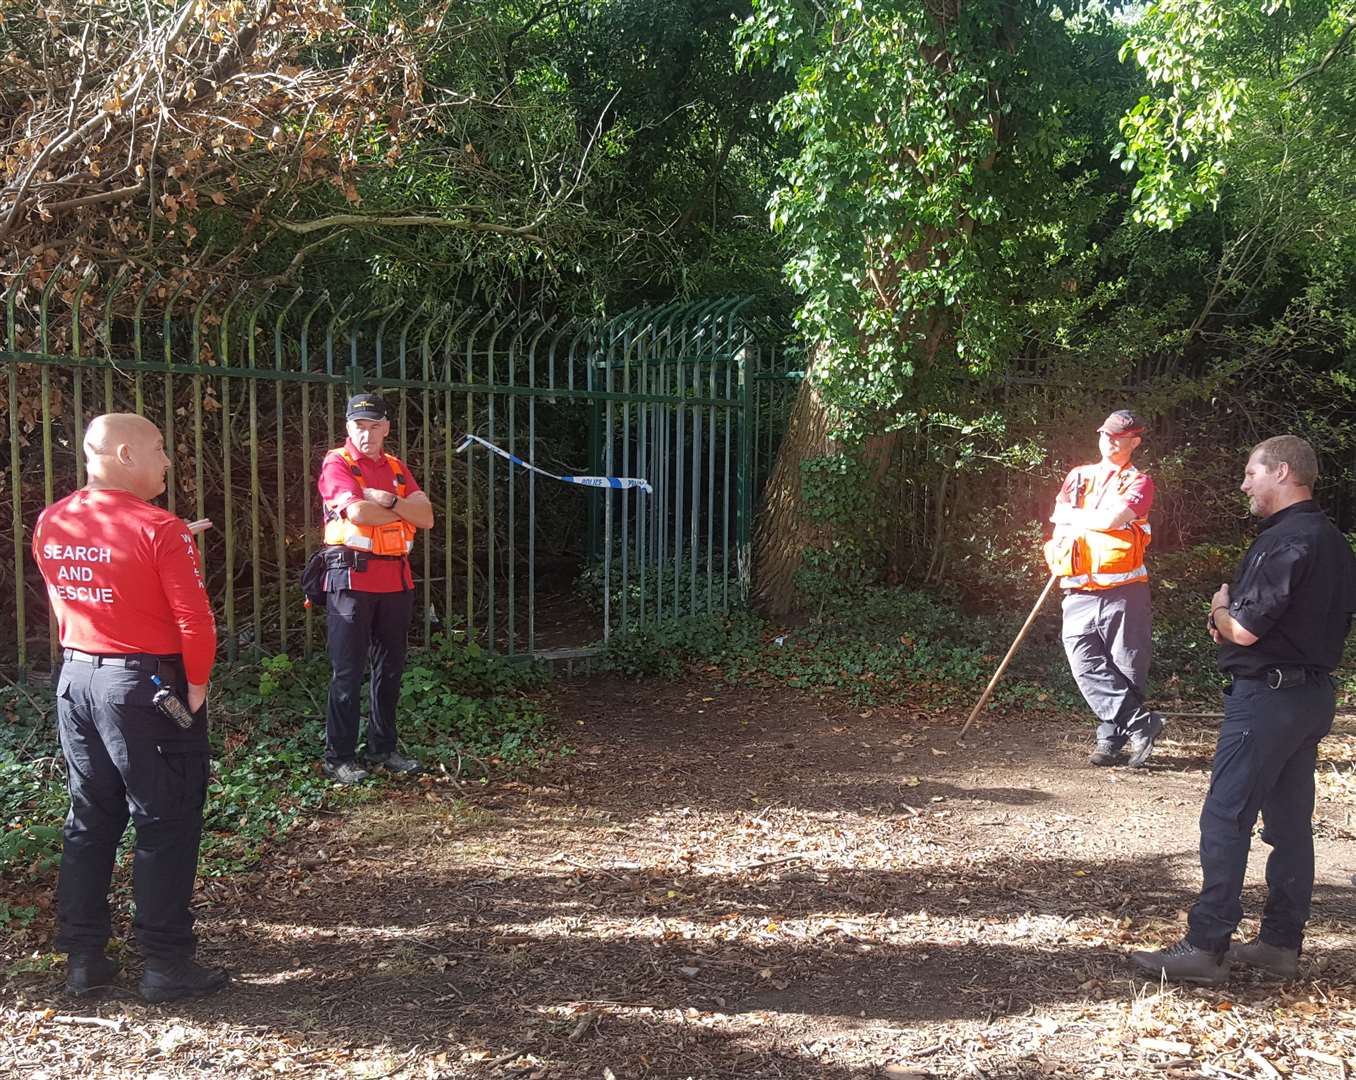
x=778, y=887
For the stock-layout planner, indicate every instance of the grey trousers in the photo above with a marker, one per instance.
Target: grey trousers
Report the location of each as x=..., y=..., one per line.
x=1107, y=640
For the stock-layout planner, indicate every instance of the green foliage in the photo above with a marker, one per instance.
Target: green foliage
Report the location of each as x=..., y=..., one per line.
x=666, y=649
x=1228, y=76
x=32, y=789
x=656, y=592
x=941, y=176
x=840, y=497
x=596, y=156
x=16, y=916
x=267, y=737
x=875, y=644
x=460, y=700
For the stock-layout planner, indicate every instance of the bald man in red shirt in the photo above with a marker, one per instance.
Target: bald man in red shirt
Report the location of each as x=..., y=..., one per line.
x=133, y=615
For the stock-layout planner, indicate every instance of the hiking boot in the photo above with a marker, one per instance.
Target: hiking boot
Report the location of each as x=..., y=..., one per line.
x=346, y=772
x=1141, y=743
x=1184, y=962
x=396, y=763
x=87, y=972
x=1275, y=961
x=1105, y=752
x=162, y=981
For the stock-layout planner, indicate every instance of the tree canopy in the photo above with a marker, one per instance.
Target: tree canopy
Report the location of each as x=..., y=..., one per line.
x=988, y=216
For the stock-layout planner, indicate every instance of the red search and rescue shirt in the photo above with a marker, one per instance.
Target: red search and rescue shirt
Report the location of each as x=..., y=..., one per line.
x=1097, y=480
x=339, y=488
x=123, y=577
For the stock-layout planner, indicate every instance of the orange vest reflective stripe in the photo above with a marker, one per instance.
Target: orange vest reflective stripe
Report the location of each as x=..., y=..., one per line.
x=393, y=538
x=1101, y=558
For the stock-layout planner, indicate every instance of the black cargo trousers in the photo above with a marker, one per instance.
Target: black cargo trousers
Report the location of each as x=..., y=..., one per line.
x=365, y=628
x=126, y=761
x=1264, y=763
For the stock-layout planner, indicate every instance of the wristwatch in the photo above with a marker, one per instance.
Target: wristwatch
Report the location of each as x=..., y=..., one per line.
x=391, y=505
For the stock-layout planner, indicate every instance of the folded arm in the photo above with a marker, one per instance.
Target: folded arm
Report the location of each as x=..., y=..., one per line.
x=1100, y=519
x=371, y=509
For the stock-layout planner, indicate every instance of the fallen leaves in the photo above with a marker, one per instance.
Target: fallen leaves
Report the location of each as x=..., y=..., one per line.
x=615, y=925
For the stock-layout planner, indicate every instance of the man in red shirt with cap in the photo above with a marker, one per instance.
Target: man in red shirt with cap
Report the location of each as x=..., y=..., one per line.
x=133, y=616
x=1101, y=519
x=372, y=508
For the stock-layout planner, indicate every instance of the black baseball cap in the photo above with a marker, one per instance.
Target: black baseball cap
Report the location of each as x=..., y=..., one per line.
x=1123, y=422
x=365, y=407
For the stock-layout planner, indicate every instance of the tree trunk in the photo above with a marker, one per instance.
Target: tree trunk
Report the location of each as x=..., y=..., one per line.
x=783, y=530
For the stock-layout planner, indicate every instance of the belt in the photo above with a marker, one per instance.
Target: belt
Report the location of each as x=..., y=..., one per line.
x=1280, y=678
x=133, y=661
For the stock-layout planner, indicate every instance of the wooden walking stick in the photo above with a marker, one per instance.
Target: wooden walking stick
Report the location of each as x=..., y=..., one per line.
x=988, y=690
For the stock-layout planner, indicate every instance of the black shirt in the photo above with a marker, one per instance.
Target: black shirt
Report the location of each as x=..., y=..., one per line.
x=1296, y=590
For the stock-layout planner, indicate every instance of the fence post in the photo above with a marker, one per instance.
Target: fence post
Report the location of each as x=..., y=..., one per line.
x=744, y=506
x=16, y=492
x=46, y=383
x=78, y=378
x=308, y=495
x=256, y=571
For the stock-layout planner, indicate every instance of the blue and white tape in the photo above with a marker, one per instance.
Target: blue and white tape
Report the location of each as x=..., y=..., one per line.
x=617, y=483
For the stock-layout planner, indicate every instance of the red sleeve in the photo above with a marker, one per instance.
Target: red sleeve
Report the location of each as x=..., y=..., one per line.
x=1139, y=497
x=176, y=561
x=1066, y=491
x=337, y=485
x=37, y=537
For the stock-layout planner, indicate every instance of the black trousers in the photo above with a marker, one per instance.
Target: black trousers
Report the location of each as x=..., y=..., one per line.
x=365, y=626
x=1264, y=762
x=125, y=761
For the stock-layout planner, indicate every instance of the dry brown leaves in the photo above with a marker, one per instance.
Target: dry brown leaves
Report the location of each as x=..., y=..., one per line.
x=122, y=125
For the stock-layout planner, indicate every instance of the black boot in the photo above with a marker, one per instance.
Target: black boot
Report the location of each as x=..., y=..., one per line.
x=171, y=980
x=86, y=972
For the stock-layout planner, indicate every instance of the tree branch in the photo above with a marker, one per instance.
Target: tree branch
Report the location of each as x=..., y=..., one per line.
x=303, y=228
x=1322, y=65
x=101, y=197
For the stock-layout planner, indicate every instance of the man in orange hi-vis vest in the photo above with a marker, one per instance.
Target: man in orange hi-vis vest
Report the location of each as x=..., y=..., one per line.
x=1101, y=519
x=372, y=508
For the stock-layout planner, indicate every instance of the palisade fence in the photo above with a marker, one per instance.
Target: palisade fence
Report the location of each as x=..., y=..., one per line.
x=249, y=389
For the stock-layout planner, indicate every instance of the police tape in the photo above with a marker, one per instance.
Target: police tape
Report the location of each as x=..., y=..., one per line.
x=614, y=482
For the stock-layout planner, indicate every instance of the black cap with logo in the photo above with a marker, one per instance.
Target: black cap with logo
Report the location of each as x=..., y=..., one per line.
x=365, y=407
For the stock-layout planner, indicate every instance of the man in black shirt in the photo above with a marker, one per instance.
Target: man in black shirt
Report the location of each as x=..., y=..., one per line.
x=1280, y=628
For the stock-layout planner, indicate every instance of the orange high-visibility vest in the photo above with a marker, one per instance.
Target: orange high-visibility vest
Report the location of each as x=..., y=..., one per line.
x=1101, y=558
x=393, y=538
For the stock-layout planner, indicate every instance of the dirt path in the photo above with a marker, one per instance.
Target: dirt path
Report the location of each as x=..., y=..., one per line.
x=740, y=883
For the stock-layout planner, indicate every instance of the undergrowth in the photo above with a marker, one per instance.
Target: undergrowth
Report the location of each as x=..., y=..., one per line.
x=875, y=644
x=894, y=645
x=460, y=709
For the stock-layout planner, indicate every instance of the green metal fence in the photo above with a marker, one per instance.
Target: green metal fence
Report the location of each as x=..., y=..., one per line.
x=249, y=389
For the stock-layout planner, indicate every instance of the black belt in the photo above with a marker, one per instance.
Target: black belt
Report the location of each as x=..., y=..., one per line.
x=1281, y=678
x=134, y=661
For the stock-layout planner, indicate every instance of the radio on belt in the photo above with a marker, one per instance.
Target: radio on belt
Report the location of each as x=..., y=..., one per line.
x=167, y=701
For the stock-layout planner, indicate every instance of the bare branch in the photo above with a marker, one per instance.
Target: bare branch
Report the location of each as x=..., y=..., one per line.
x=369, y=221
x=1322, y=65
x=116, y=195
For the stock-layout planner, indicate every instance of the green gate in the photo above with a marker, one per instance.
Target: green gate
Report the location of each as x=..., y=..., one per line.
x=249, y=388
